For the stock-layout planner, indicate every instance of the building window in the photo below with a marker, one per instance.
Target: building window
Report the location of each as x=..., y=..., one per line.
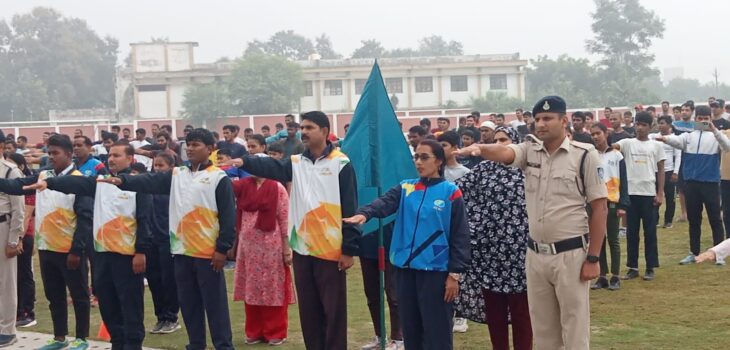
x=359, y=85
x=498, y=82
x=308, y=88
x=332, y=87
x=424, y=84
x=146, y=88
x=458, y=83
x=394, y=85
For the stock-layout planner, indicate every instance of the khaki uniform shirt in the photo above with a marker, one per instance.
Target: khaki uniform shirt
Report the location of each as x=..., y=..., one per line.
x=555, y=206
x=12, y=205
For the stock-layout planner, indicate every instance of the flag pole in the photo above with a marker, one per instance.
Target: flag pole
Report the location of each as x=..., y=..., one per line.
x=381, y=273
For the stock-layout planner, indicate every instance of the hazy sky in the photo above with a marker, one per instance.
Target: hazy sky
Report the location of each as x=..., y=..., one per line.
x=530, y=27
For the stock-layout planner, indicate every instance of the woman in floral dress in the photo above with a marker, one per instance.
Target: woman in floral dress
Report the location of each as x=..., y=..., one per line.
x=495, y=205
x=262, y=276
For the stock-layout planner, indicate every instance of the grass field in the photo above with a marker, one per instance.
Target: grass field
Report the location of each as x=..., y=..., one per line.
x=686, y=307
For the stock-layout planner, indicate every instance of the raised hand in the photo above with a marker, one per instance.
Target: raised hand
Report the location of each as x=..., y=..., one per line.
x=358, y=219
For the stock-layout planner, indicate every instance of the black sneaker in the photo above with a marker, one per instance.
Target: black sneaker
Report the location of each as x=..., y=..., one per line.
x=169, y=327
x=631, y=274
x=601, y=283
x=26, y=322
x=158, y=327
x=7, y=339
x=649, y=275
x=615, y=284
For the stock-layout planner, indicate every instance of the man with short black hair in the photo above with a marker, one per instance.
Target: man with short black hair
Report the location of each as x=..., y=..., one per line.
x=618, y=132
x=607, y=111
x=416, y=134
x=324, y=190
x=230, y=141
x=629, y=123
x=425, y=123
x=292, y=145
x=121, y=238
x=644, y=165
x=265, y=131
x=62, y=224
x=443, y=124
x=126, y=134
x=247, y=132
x=470, y=121
x=202, y=230
x=499, y=119
x=453, y=170
x=665, y=109
x=22, y=142
x=701, y=173
x=579, y=134
x=718, y=115
x=85, y=163
x=671, y=170
x=519, y=119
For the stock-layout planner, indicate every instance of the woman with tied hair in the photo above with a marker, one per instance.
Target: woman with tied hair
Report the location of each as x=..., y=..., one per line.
x=494, y=195
x=429, y=250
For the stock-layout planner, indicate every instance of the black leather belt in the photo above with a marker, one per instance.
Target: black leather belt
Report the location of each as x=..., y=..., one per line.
x=558, y=247
x=4, y=218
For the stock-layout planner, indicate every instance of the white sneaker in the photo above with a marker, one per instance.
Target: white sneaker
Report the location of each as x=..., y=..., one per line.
x=720, y=262
x=460, y=325
x=395, y=345
x=373, y=345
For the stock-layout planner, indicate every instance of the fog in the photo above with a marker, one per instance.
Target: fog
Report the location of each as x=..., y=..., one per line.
x=694, y=37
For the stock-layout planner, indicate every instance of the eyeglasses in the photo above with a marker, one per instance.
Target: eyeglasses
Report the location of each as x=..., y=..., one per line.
x=423, y=156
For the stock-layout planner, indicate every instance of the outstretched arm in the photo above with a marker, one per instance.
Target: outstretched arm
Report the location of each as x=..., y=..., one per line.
x=151, y=183
x=78, y=185
x=268, y=167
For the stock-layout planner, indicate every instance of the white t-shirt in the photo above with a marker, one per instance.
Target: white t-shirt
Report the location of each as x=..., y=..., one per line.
x=674, y=155
x=454, y=173
x=99, y=149
x=641, y=159
x=137, y=144
x=515, y=123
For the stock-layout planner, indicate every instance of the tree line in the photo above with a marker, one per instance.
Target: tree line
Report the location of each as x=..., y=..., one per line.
x=50, y=61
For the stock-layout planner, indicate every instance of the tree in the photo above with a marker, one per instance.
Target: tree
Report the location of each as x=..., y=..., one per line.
x=285, y=43
x=323, y=46
x=435, y=45
x=206, y=101
x=54, y=62
x=407, y=52
x=623, y=33
x=496, y=102
x=565, y=76
x=370, y=49
x=264, y=84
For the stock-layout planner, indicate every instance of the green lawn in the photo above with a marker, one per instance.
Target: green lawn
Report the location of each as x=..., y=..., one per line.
x=686, y=307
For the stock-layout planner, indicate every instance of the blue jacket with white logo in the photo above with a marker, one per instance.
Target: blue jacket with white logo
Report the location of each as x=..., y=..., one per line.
x=700, y=154
x=431, y=231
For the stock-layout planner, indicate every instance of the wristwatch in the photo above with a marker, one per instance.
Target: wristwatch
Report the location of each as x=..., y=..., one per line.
x=455, y=276
x=592, y=259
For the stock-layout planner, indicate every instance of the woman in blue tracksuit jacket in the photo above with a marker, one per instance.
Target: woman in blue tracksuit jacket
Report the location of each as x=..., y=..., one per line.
x=430, y=248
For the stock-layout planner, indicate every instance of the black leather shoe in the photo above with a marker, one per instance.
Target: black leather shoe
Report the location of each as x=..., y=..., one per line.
x=615, y=284
x=649, y=275
x=601, y=282
x=631, y=274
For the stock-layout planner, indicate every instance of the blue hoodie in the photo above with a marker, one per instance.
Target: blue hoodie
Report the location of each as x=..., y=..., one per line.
x=701, y=154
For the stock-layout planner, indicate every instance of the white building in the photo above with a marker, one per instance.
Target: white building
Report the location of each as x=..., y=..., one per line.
x=161, y=72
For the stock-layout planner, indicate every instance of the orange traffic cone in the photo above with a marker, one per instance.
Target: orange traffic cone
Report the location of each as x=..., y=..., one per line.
x=103, y=333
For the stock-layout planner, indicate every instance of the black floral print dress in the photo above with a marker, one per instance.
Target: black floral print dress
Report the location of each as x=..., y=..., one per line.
x=495, y=204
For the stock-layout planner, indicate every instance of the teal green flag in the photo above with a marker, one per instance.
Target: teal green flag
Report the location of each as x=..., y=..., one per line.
x=376, y=146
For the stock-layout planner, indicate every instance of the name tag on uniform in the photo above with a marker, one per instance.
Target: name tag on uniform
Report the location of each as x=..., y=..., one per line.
x=533, y=165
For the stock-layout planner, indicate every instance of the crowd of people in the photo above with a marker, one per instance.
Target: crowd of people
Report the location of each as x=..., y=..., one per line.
x=507, y=223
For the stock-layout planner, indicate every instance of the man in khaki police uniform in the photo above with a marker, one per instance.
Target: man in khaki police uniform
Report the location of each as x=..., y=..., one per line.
x=560, y=177
x=12, y=212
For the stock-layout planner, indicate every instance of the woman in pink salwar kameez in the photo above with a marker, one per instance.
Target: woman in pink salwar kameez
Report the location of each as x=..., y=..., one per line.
x=263, y=277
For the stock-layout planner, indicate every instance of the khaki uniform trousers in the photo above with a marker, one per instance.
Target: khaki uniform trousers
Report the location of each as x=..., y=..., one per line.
x=8, y=284
x=559, y=300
